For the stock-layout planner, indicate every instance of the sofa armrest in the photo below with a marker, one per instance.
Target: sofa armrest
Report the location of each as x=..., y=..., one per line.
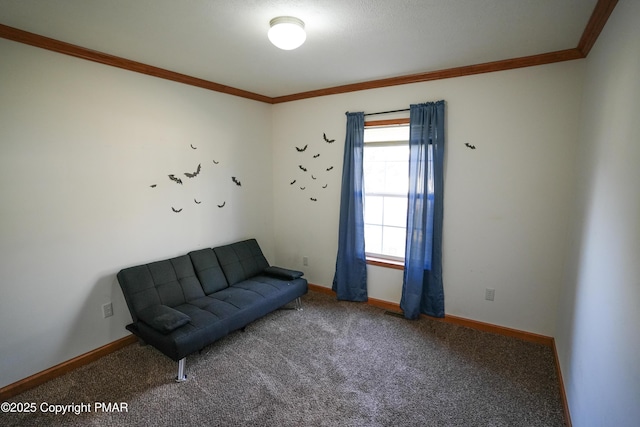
x=163, y=318
x=282, y=273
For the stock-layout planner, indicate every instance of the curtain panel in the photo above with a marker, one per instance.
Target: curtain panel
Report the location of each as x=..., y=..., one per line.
x=350, y=279
x=422, y=289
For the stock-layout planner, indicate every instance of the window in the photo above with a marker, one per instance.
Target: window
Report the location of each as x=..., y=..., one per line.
x=386, y=181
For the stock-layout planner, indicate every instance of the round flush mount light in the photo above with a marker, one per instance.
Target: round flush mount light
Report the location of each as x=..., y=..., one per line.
x=287, y=32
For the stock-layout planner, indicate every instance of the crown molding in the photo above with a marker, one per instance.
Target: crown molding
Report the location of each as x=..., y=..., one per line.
x=488, y=67
x=596, y=23
x=58, y=46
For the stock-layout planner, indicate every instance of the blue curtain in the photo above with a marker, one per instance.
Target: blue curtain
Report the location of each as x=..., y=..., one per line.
x=350, y=279
x=422, y=290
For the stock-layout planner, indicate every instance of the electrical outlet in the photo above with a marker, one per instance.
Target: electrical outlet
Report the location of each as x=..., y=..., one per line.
x=305, y=260
x=489, y=294
x=107, y=310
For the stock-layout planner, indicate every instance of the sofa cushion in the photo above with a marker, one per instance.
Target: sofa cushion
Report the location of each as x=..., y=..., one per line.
x=208, y=270
x=163, y=319
x=170, y=282
x=241, y=261
x=175, y=280
x=138, y=288
x=203, y=329
x=283, y=273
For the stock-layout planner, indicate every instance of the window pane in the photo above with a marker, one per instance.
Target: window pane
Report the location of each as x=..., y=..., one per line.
x=390, y=133
x=386, y=169
x=396, y=177
x=373, y=209
x=374, y=176
x=386, y=182
x=373, y=238
x=395, y=211
x=374, y=153
x=396, y=153
x=393, y=241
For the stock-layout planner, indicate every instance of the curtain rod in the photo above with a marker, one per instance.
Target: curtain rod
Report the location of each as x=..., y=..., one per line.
x=387, y=112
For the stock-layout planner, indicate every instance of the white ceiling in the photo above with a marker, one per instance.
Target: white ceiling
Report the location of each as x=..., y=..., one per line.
x=348, y=41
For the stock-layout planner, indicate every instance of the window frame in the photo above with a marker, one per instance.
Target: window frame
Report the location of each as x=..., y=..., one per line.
x=381, y=260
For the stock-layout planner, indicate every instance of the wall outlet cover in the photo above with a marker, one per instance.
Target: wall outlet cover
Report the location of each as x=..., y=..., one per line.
x=107, y=310
x=489, y=294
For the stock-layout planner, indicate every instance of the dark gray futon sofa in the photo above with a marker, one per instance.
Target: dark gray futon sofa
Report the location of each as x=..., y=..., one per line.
x=182, y=304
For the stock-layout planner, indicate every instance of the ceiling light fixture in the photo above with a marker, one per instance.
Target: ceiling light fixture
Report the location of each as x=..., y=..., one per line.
x=287, y=32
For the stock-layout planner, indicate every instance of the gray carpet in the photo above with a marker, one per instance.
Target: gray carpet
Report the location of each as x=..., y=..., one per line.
x=333, y=364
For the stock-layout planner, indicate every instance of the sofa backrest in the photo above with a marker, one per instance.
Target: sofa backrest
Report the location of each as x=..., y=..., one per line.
x=241, y=260
x=208, y=270
x=170, y=282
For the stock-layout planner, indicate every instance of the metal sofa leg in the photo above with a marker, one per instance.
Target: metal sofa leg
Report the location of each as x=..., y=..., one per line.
x=182, y=376
x=298, y=304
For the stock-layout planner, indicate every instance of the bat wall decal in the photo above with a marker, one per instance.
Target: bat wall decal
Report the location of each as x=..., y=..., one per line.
x=222, y=205
x=153, y=186
x=302, y=167
x=329, y=168
x=193, y=175
x=293, y=182
x=302, y=188
x=313, y=199
x=325, y=186
x=195, y=148
x=173, y=178
x=327, y=140
x=473, y=147
x=214, y=162
x=313, y=177
x=197, y=202
x=176, y=210
x=316, y=156
x=235, y=180
x=302, y=149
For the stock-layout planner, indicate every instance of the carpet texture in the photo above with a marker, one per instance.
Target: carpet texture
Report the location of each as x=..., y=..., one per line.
x=332, y=364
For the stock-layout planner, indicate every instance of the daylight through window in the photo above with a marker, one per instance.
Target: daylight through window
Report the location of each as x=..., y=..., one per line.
x=386, y=175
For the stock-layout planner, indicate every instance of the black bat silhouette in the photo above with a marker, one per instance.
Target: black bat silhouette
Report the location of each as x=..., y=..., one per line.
x=176, y=210
x=329, y=168
x=325, y=186
x=197, y=202
x=302, y=149
x=173, y=178
x=195, y=148
x=302, y=188
x=313, y=177
x=302, y=167
x=193, y=175
x=324, y=135
x=215, y=162
x=316, y=156
x=473, y=147
x=222, y=205
x=235, y=180
x=313, y=199
x=293, y=182
x=153, y=186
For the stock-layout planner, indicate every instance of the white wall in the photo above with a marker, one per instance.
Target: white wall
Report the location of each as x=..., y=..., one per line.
x=599, y=311
x=506, y=203
x=80, y=145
